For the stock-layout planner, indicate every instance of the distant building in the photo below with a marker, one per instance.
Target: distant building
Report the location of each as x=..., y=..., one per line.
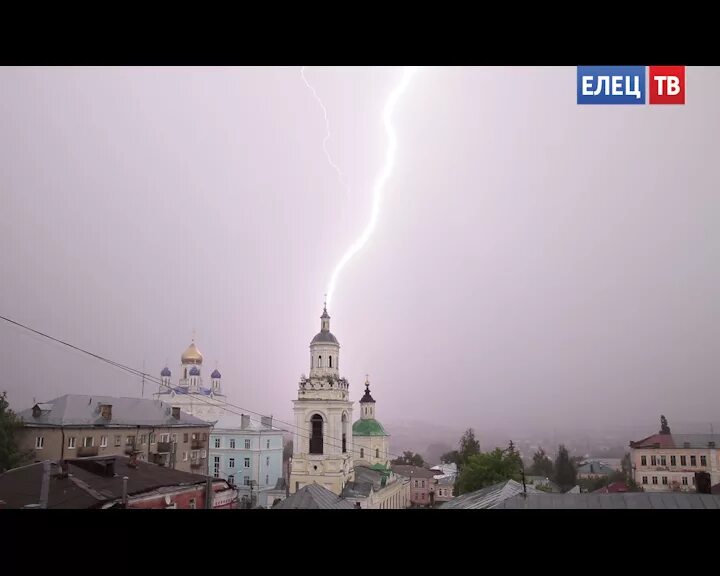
x=377, y=487
x=489, y=497
x=190, y=393
x=446, y=476
x=422, y=483
x=77, y=425
x=613, y=488
x=248, y=454
x=669, y=462
x=369, y=437
x=594, y=469
x=100, y=483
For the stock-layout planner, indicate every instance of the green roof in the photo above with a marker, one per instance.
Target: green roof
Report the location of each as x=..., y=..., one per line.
x=368, y=427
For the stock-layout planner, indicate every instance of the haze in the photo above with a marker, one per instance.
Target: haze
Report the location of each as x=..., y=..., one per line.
x=536, y=264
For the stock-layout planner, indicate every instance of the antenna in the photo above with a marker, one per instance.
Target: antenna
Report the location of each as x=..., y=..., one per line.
x=142, y=392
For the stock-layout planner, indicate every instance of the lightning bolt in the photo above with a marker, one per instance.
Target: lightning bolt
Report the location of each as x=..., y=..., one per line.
x=341, y=176
x=383, y=177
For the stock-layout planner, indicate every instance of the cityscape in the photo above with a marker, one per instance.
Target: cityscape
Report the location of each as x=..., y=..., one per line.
x=527, y=318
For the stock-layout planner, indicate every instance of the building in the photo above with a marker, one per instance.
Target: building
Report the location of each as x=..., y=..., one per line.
x=489, y=497
x=322, y=442
x=594, y=469
x=313, y=497
x=190, y=393
x=377, y=487
x=370, y=440
x=613, y=488
x=77, y=425
x=668, y=462
x=446, y=475
x=110, y=482
x=623, y=501
x=248, y=453
x=422, y=483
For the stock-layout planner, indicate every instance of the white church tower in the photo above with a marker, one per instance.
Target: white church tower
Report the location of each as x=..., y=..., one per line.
x=322, y=444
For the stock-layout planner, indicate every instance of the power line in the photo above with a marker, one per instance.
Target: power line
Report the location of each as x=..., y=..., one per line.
x=156, y=380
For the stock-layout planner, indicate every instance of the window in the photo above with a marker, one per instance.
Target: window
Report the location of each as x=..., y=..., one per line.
x=103, y=441
x=195, y=454
x=152, y=438
x=267, y=460
x=174, y=438
x=39, y=442
x=416, y=483
x=118, y=440
x=693, y=480
x=316, y=434
x=703, y=460
x=185, y=438
x=130, y=440
x=663, y=461
x=246, y=480
x=267, y=479
x=654, y=479
x=693, y=460
x=164, y=437
x=231, y=462
x=143, y=438
x=319, y=361
x=362, y=453
x=192, y=503
x=683, y=460
x=194, y=436
x=216, y=467
x=330, y=361
x=377, y=452
x=88, y=441
x=422, y=485
x=673, y=461
x=247, y=444
x=185, y=456
x=267, y=444
x=71, y=442
x=684, y=480
x=422, y=496
x=653, y=460
x=643, y=460
x=204, y=437
x=217, y=442
x=203, y=454
x=232, y=442
x=231, y=480
x=664, y=480
x=247, y=462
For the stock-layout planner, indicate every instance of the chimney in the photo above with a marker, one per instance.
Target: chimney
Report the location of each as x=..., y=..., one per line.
x=266, y=421
x=176, y=412
x=106, y=411
x=125, y=492
x=245, y=421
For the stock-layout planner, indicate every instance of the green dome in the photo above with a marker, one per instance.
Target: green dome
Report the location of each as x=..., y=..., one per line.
x=368, y=427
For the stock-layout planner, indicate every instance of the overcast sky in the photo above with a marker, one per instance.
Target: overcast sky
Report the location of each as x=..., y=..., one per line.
x=535, y=262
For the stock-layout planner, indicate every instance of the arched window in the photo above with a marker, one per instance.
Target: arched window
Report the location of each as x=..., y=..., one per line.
x=330, y=360
x=316, y=437
x=185, y=373
x=362, y=452
x=319, y=361
x=377, y=452
x=344, y=430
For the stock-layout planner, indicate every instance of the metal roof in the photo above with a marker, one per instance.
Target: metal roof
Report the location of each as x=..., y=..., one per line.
x=490, y=497
x=624, y=500
x=315, y=497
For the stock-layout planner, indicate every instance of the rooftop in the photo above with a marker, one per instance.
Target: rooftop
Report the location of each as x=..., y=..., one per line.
x=678, y=441
x=413, y=471
x=368, y=427
x=84, y=410
x=314, y=497
x=489, y=497
x=627, y=500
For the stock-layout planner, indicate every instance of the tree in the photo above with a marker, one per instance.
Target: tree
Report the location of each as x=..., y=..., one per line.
x=409, y=458
x=542, y=465
x=10, y=454
x=482, y=470
x=469, y=446
x=626, y=464
x=565, y=470
x=664, y=428
x=452, y=457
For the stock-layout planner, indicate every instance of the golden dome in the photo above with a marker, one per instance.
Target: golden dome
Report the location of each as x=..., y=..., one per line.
x=192, y=355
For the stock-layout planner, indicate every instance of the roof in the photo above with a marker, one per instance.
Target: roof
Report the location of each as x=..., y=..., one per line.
x=677, y=441
x=84, y=410
x=367, y=398
x=612, y=488
x=231, y=421
x=412, y=471
x=368, y=427
x=165, y=372
x=192, y=355
x=324, y=337
x=86, y=486
x=490, y=497
x=627, y=500
x=595, y=467
x=367, y=479
x=314, y=497
x=215, y=374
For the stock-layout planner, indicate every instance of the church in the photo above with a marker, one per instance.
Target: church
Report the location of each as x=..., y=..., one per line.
x=347, y=458
x=189, y=393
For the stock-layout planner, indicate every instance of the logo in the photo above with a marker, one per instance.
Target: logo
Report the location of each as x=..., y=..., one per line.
x=627, y=85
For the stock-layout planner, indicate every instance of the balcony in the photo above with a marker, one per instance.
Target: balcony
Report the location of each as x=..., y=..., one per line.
x=197, y=444
x=164, y=447
x=196, y=464
x=85, y=451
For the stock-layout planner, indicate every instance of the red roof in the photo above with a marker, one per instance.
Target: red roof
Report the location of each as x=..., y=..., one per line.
x=613, y=488
x=664, y=441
